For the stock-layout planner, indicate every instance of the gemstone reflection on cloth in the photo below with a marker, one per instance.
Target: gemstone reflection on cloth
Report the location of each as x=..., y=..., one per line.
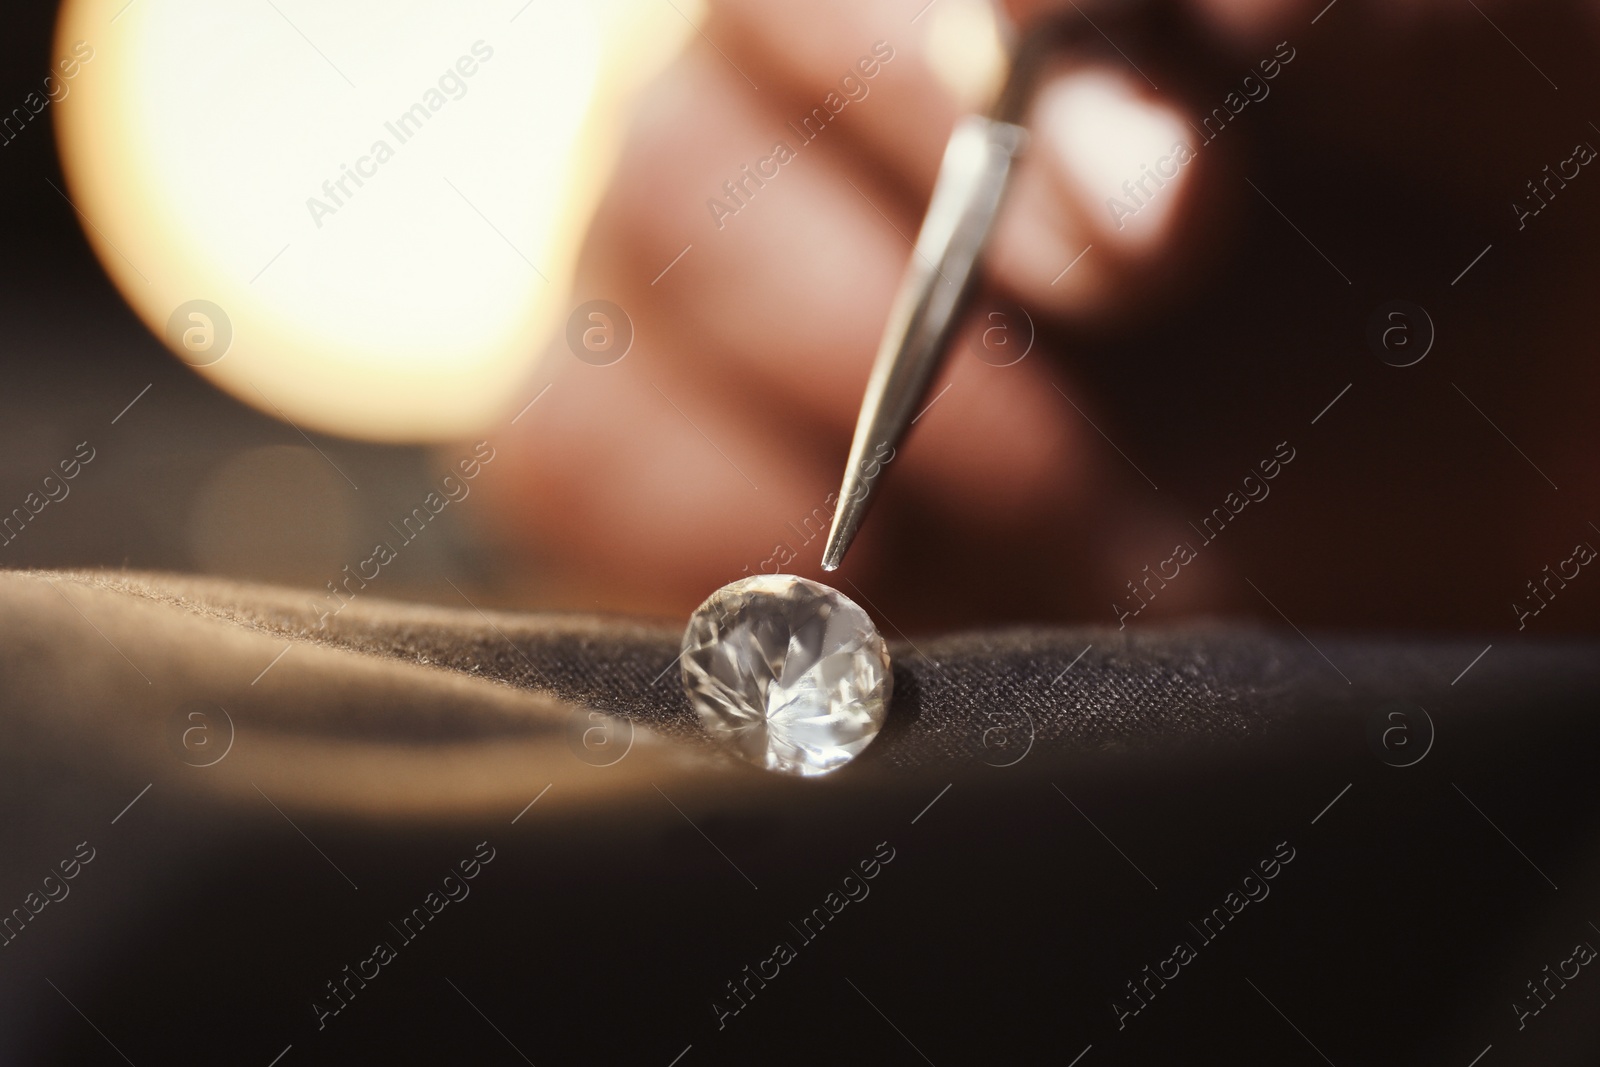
x=786, y=673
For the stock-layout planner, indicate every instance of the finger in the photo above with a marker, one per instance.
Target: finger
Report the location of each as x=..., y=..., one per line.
x=1103, y=195
x=1098, y=128
x=648, y=493
x=784, y=281
x=1095, y=129
x=746, y=337
x=739, y=351
x=994, y=446
x=788, y=301
x=814, y=55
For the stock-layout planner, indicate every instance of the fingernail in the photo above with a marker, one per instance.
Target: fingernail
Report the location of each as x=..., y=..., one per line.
x=1122, y=156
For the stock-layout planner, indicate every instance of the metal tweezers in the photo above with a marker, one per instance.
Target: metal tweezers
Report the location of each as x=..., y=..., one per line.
x=938, y=282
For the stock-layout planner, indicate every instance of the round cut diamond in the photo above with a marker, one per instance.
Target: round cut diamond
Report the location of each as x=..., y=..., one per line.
x=789, y=674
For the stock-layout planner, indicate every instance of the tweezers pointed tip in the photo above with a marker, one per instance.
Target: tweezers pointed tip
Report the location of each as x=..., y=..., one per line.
x=838, y=543
x=846, y=520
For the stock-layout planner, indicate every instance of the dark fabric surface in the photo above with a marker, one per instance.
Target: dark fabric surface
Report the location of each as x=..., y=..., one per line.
x=959, y=699
x=1063, y=807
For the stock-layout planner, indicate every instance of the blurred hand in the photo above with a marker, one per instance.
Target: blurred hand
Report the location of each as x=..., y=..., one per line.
x=713, y=449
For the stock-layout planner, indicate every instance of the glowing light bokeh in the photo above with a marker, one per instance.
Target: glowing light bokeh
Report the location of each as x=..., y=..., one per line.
x=209, y=147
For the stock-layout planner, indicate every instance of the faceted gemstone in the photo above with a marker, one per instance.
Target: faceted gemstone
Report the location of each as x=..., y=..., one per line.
x=787, y=673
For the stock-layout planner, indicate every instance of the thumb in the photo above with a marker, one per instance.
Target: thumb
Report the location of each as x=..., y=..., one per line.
x=1100, y=206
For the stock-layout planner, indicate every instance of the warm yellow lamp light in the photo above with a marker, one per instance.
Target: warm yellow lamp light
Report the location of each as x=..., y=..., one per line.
x=382, y=199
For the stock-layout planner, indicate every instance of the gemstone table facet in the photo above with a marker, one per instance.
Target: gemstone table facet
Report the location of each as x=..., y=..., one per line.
x=786, y=673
